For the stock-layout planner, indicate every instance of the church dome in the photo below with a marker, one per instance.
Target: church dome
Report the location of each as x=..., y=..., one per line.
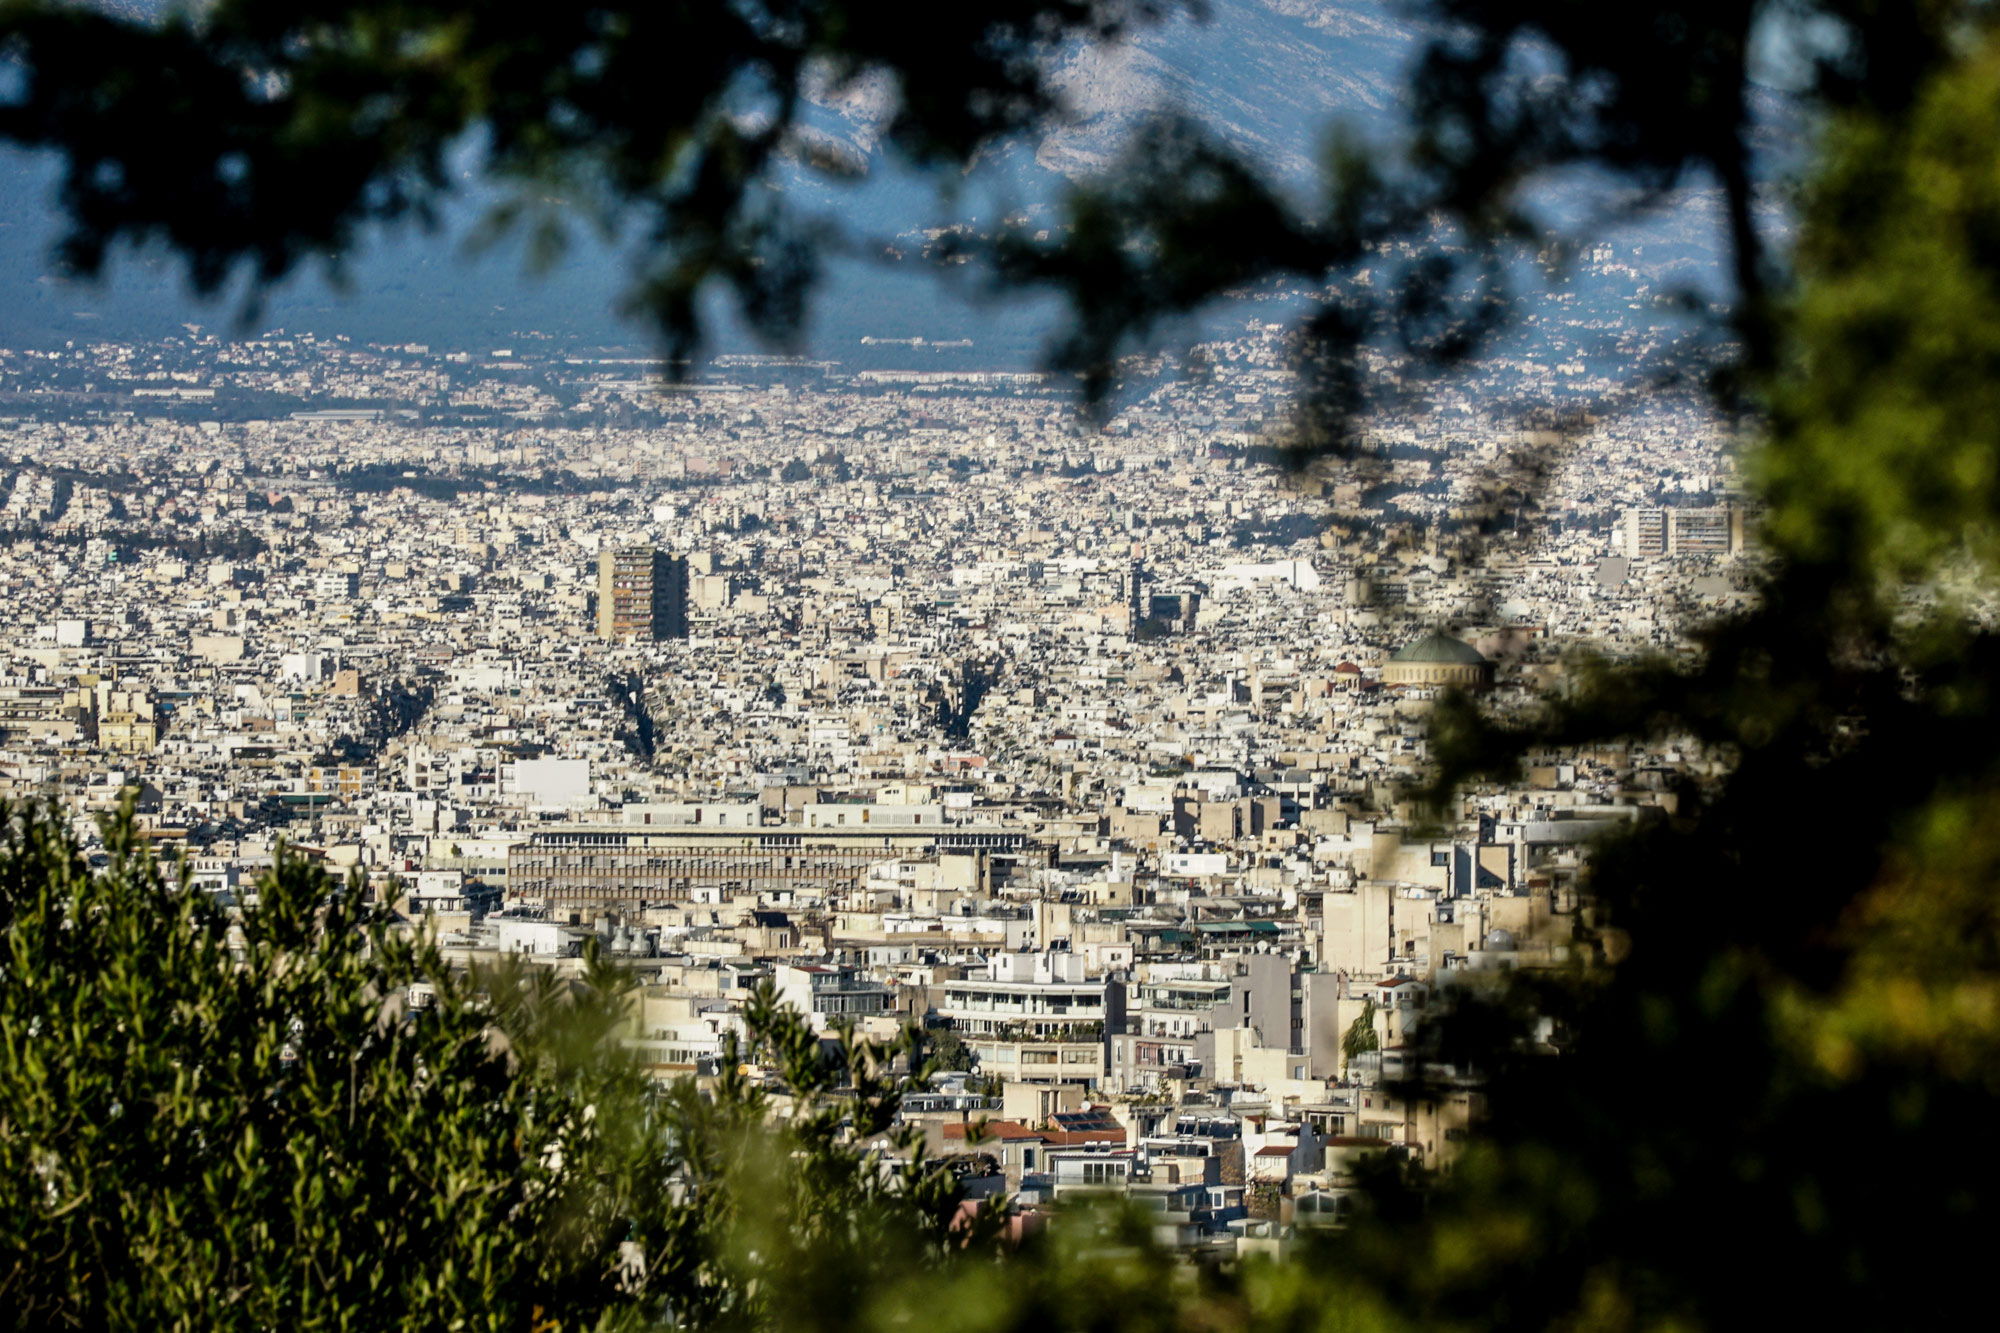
x=1437, y=646
x=1438, y=661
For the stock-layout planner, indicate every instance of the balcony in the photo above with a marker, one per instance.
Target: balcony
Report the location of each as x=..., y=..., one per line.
x=1076, y=1035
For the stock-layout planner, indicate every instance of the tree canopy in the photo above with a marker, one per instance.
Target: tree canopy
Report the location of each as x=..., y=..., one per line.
x=301, y=1115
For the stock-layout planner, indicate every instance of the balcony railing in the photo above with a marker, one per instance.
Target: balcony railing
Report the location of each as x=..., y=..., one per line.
x=1077, y=1035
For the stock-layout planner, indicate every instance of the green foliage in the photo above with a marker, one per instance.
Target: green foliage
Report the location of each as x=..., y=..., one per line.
x=1884, y=460
x=949, y=1051
x=212, y=1124
x=1360, y=1036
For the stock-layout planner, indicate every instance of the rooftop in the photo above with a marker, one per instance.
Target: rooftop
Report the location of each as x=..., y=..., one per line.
x=1437, y=646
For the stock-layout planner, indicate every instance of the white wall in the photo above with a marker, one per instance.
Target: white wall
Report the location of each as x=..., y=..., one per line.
x=559, y=783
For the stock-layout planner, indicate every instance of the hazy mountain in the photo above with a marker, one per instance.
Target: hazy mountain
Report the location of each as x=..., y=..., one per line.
x=1268, y=77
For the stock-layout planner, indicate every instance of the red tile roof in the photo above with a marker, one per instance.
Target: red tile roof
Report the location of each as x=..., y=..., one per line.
x=1004, y=1130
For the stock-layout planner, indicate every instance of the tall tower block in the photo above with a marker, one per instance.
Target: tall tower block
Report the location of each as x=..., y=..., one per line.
x=642, y=593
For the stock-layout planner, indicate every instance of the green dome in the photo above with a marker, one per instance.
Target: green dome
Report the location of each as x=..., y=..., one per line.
x=1438, y=646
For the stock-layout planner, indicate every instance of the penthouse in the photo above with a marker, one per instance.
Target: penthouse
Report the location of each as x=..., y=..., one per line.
x=1037, y=1017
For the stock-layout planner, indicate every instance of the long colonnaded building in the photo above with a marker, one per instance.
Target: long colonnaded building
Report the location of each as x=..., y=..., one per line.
x=577, y=870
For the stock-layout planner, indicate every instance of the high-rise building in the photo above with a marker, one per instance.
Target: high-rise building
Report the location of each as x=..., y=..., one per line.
x=1645, y=532
x=1661, y=532
x=1707, y=531
x=642, y=592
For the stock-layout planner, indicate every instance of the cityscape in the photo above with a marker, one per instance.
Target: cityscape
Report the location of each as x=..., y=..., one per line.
x=1093, y=750
x=1029, y=666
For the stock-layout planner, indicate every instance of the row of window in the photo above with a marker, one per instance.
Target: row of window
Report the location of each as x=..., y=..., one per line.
x=1044, y=1056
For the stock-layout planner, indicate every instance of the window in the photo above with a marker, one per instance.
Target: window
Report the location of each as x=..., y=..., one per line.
x=1440, y=857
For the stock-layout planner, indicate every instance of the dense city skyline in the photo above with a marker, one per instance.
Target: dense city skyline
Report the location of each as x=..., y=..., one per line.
x=903, y=675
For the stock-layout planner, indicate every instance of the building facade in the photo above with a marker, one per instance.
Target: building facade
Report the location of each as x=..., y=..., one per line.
x=642, y=593
x=1037, y=1017
x=1653, y=532
x=580, y=868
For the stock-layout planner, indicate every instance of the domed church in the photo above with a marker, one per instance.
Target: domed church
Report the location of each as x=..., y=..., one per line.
x=1438, y=659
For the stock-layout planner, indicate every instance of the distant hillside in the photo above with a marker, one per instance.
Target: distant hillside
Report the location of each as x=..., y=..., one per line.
x=1266, y=76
